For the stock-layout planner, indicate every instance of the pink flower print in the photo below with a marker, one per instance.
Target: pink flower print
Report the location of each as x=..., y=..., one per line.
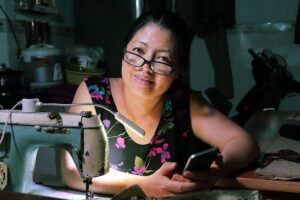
x=106, y=123
x=97, y=94
x=154, y=140
x=116, y=166
x=105, y=80
x=165, y=155
x=155, y=151
x=107, y=101
x=139, y=170
x=120, y=144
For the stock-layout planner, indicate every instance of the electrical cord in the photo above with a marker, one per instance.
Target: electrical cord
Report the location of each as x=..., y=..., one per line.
x=6, y=123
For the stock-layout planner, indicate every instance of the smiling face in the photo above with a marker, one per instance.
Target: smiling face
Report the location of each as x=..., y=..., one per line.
x=154, y=43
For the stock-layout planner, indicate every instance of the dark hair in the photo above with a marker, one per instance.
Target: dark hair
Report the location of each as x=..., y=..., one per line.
x=171, y=22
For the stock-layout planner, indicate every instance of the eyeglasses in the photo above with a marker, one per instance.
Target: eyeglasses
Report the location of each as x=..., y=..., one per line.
x=155, y=66
x=285, y=154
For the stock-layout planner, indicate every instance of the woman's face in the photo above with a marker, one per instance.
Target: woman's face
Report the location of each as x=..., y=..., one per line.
x=152, y=42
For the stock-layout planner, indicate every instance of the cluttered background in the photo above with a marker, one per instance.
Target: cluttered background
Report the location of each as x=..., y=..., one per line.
x=244, y=55
x=51, y=43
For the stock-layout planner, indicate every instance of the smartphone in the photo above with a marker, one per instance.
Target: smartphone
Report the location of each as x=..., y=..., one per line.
x=201, y=160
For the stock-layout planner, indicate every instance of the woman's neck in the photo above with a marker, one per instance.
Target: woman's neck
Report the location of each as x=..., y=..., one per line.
x=140, y=107
x=144, y=112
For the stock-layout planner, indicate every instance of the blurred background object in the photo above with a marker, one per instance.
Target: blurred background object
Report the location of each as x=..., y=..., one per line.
x=82, y=61
x=42, y=65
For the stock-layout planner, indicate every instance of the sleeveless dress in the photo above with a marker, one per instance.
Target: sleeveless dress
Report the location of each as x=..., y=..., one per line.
x=172, y=141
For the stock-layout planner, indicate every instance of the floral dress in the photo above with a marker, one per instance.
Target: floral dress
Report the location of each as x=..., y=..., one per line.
x=172, y=141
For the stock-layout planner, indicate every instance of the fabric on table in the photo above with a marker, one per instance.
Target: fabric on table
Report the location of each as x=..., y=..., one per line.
x=281, y=169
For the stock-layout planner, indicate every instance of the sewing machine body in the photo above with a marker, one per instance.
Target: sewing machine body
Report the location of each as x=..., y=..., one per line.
x=26, y=132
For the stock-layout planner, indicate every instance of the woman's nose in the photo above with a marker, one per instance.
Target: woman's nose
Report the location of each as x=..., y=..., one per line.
x=147, y=67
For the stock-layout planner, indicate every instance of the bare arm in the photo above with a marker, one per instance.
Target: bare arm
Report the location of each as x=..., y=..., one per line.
x=238, y=148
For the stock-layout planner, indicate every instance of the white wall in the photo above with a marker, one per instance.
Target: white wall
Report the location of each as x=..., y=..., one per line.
x=261, y=11
x=259, y=24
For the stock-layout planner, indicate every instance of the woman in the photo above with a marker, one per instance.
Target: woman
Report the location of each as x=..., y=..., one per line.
x=174, y=119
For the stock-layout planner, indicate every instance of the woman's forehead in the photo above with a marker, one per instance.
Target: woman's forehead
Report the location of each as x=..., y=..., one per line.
x=154, y=34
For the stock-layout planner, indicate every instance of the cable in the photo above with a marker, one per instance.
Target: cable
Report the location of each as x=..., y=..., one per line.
x=8, y=117
x=12, y=29
x=75, y=104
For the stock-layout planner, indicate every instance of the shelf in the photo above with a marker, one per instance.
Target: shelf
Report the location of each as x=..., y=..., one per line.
x=38, y=9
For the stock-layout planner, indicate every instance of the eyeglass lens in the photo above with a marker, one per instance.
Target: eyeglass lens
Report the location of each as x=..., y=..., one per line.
x=138, y=61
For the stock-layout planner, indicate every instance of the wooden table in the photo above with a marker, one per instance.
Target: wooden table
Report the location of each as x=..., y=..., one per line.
x=271, y=189
x=21, y=196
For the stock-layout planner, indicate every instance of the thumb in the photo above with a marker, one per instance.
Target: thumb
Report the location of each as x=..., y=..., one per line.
x=167, y=168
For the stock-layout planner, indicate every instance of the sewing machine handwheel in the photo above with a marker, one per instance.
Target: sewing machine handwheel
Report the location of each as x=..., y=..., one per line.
x=3, y=175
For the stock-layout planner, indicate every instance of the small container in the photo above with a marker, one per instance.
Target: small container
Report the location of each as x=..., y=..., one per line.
x=42, y=64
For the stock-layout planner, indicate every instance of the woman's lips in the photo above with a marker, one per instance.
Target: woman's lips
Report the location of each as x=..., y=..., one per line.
x=143, y=80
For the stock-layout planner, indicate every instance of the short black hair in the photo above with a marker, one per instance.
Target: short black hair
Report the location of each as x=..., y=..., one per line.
x=171, y=22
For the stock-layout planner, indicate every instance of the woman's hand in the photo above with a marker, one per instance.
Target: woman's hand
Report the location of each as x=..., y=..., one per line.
x=205, y=178
x=162, y=184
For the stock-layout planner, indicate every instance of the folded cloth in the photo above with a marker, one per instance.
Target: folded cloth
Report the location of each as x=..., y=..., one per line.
x=281, y=169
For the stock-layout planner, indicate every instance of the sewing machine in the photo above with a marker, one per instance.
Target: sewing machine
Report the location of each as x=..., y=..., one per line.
x=83, y=135
x=23, y=132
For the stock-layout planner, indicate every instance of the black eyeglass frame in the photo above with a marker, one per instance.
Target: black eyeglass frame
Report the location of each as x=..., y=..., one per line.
x=149, y=62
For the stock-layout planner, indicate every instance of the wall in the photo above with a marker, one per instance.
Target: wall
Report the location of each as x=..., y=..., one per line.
x=260, y=24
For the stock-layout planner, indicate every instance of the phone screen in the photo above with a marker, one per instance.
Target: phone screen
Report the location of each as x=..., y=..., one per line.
x=201, y=160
